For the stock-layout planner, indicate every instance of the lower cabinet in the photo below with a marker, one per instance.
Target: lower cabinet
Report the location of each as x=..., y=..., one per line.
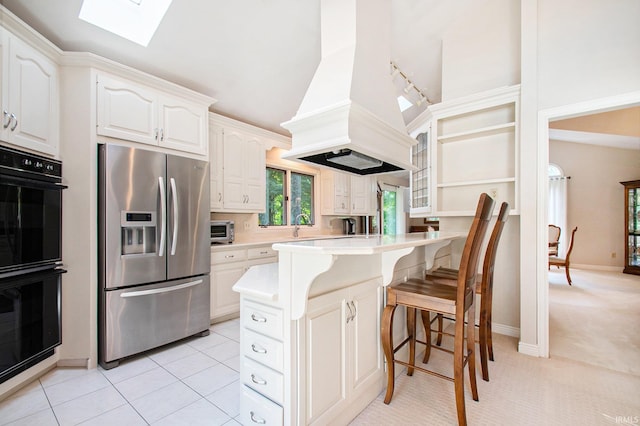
x=343, y=355
x=228, y=264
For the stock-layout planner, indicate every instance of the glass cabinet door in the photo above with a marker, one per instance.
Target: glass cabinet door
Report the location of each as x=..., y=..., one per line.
x=632, y=210
x=420, y=178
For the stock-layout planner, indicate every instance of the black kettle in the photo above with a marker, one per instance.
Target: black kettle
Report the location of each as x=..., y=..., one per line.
x=349, y=226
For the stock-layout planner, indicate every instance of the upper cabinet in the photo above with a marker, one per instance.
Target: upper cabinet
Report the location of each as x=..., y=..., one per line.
x=238, y=164
x=345, y=194
x=29, y=93
x=135, y=112
x=474, y=147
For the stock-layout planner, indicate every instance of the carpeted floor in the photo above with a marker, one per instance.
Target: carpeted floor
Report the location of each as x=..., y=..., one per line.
x=596, y=320
x=570, y=388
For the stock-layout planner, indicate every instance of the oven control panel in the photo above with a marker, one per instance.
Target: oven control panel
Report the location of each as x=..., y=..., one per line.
x=24, y=161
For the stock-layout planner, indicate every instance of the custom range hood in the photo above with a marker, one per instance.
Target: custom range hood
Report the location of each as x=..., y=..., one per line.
x=349, y=118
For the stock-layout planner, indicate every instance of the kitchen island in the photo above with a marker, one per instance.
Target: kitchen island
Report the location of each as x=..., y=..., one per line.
x=310, y=325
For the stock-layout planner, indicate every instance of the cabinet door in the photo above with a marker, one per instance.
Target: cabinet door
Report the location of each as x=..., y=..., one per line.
x=326, y=357
x=366, y=351
x=216, y=161
x=127, y=111
x=342, y=184
x=225, y=301
x=361, y=195
x=182, y=125
x=30, y=96
x=233, y=153
x=255, y=175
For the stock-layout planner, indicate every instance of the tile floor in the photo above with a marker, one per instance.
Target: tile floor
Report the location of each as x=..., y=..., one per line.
x=195, y=381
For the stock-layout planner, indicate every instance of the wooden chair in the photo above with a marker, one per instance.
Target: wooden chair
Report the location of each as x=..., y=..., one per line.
x=429, y=296
x=557, y=261
x=554, y=239
x=484, y=287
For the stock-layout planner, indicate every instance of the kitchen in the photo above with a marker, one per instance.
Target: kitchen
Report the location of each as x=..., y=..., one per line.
x=78, y=123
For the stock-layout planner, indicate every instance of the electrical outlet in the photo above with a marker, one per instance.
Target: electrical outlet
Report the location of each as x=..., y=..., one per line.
x=247, y=226
x=613, y=255
x=493, y=193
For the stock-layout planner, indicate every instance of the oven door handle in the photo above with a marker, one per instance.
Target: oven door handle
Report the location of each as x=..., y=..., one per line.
x=161, y=290
x=31, y=183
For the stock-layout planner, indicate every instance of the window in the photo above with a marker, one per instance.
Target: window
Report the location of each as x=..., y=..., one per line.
x=388, y=212
x=282, y=186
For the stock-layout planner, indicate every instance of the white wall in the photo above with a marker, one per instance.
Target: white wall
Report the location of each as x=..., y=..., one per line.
x=596, y=198
x=588, y=49
x=482, y=52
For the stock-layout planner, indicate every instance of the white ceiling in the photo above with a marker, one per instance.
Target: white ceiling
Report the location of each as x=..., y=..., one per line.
x=256, y=57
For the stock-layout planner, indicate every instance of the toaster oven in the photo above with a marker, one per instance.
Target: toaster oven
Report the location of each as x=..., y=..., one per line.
x=222, y=231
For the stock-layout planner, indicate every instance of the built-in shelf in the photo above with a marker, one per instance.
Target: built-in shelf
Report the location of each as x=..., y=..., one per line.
x=476, y=182
x=485, y=131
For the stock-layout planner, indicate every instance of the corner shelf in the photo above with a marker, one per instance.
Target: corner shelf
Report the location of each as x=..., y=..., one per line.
x=485, y=131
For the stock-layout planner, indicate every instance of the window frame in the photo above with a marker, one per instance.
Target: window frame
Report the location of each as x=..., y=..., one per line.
x=288, y=202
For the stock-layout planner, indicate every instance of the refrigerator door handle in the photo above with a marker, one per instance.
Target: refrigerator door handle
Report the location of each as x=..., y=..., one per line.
x=161, y=290
x=163, y=216
x=174, y=241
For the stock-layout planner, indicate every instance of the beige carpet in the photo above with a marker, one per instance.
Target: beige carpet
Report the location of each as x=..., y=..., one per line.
x=523, y=390
x=596, y=320
x=573, y=387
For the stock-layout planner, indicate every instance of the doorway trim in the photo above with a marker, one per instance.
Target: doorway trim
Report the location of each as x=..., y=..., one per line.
x=544, y=117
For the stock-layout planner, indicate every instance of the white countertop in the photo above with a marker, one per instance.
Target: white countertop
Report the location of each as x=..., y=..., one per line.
x=360, y=244
x=259, y=281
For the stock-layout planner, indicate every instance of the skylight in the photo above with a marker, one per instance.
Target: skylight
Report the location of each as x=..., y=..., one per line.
x=135, y=20
x=404, y=103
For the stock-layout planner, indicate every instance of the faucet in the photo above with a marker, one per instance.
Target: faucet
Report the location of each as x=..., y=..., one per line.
x=296, y=222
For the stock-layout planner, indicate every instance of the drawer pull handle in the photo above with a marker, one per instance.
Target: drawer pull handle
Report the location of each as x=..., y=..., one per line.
x=257, y=419
x=264, y=252
x=258, y=381
x=257, y=349
x=258, y=318
x=229, y=256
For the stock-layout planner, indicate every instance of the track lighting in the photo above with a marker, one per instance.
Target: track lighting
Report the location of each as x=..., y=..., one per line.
x=409, y=85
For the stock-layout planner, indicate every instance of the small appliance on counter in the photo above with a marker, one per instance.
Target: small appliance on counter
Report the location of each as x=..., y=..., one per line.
x=222, y=231
x=349, y=226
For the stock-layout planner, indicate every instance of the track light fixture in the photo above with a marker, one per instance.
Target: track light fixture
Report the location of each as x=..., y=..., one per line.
x=422, y=97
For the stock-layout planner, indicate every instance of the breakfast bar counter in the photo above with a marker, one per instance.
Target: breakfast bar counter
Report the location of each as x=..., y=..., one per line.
x=310, y=325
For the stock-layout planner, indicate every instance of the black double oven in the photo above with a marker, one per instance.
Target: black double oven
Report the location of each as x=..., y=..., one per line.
x=30, y=259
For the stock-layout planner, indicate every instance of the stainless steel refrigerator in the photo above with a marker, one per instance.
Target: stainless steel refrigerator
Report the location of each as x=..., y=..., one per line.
x=154, y=250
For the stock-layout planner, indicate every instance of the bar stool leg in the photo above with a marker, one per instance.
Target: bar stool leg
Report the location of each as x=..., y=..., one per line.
x=387, y=347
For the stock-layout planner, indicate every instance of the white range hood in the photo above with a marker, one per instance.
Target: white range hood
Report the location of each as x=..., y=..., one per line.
x=349, y=118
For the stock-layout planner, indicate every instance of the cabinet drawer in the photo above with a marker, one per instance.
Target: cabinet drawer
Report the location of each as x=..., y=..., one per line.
x=264, y=319
x=263, y=349
x=263, y=380
x=226, y=256
x=256, y=409
x=261, y=252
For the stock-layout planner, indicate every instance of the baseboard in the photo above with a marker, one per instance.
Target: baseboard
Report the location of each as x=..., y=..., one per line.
x=528, y=349
x=597, y=267
x=80, y=362
x=507, y=330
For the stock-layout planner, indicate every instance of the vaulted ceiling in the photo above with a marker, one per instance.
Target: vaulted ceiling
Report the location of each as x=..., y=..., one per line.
x=256, y=57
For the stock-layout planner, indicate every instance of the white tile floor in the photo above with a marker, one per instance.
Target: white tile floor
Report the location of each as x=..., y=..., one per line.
x=193, y=382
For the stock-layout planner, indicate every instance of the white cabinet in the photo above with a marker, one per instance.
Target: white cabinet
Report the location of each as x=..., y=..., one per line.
x=228, y=264
x=135, y=112
x=262, y=369
x=30, y=102
x=344, y=194
x=244, y=172
x=216, y=168
x=238, y=168
x=343, y=356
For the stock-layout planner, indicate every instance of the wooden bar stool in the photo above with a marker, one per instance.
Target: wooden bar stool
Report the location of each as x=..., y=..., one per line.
x=484, y=287
x=429, y=296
